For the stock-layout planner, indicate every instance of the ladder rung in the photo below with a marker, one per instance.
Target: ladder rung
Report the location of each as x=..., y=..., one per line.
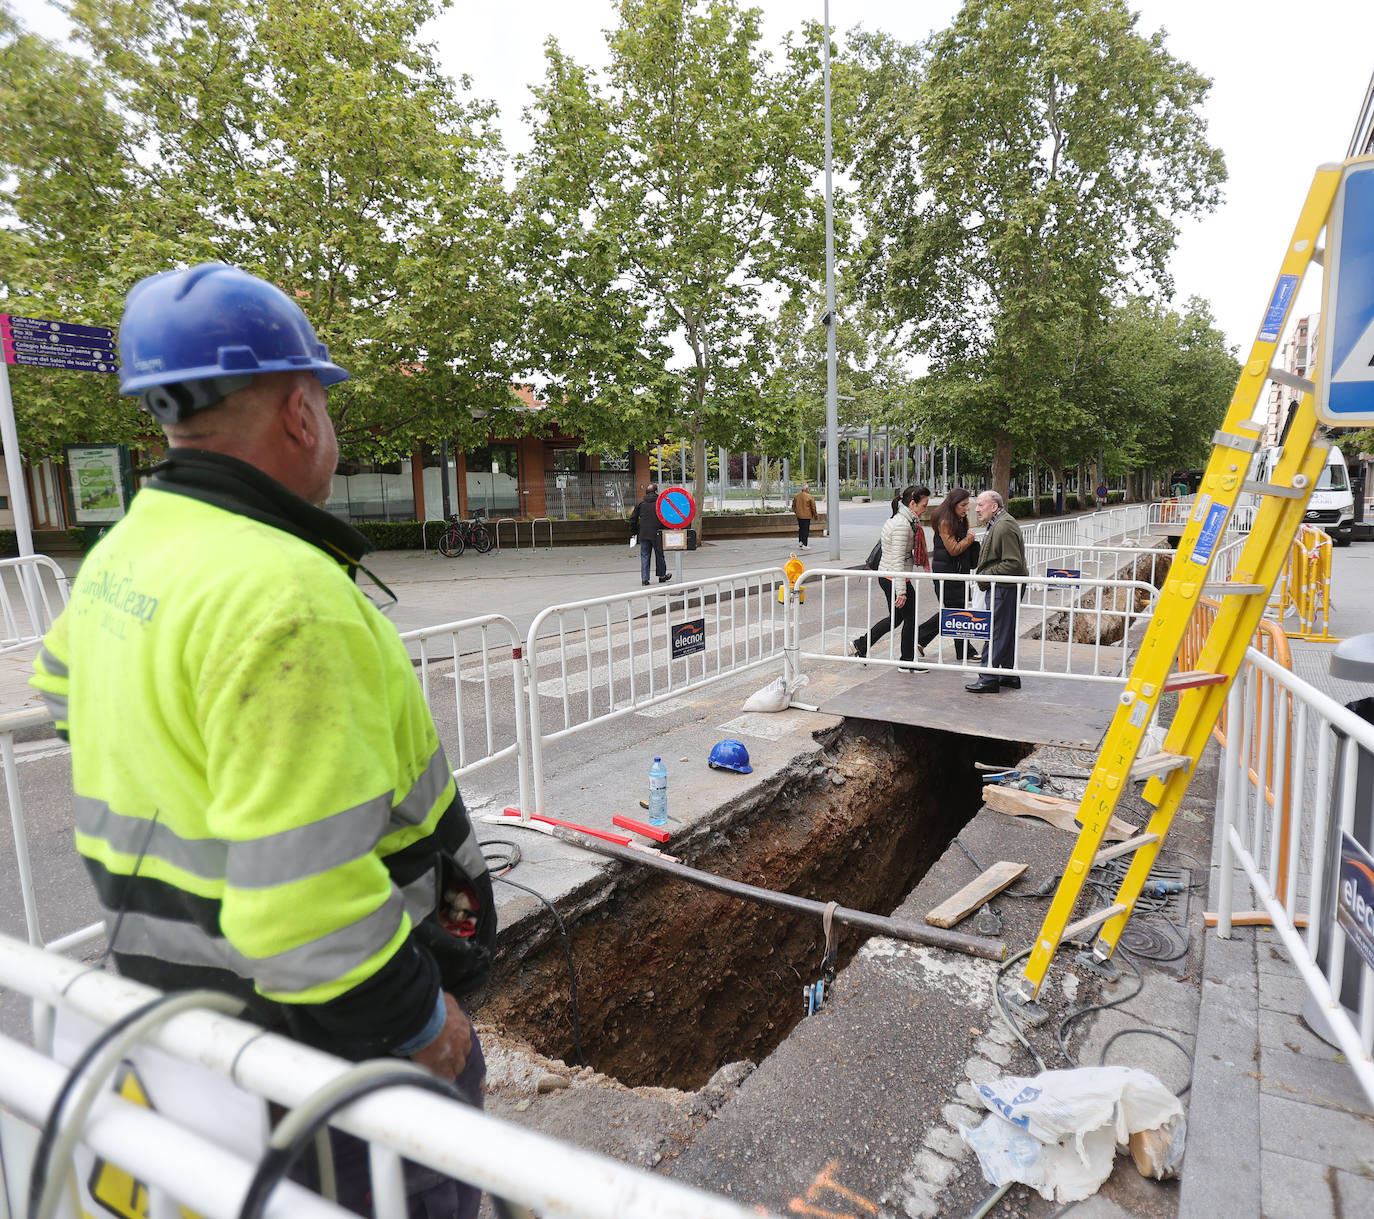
x=1278, y=490
x=1124, y=848
x=1227, y=588
x=1292, y=380
x=1192, y=678
x=1160, y=763
x=1095, y=919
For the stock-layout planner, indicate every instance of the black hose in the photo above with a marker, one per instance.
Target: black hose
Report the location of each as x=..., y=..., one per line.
x=567, y=952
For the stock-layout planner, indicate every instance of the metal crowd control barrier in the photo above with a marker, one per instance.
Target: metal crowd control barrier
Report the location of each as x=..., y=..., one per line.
x=496, y=667
x=534, y=532
x=608, y=657
x=165, y=1154
x=1304, y=588
x=33, y=590
x=1080, y=628
x=1295, y=732
x=10, y=723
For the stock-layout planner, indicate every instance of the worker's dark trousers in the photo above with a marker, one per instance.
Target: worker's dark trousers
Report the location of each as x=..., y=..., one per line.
x=1001, y=650
x=428, y=1194
x=803, y=530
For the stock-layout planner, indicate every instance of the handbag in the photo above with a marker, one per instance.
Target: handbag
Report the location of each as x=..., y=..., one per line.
x=875, y=556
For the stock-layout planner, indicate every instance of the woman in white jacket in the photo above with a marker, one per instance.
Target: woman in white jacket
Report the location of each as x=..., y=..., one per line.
x=898, y=539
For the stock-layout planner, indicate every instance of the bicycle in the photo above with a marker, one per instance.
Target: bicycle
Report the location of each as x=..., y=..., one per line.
x=459, y=534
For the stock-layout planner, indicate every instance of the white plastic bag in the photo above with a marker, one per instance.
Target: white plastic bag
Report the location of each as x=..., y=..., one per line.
x=978, y=598
x=1058, y=1131
x=634, y=541
x=776, y=695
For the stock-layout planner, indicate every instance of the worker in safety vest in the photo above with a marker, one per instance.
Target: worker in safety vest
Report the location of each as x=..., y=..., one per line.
x=261, y=797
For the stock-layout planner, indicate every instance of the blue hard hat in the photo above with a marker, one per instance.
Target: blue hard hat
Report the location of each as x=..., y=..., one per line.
x=189, y=338
x=730, y=755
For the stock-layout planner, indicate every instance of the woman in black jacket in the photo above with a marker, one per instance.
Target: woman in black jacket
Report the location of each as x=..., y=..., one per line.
x=954, y=550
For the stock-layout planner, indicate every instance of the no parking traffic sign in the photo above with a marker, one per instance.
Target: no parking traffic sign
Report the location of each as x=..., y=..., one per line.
x=1345, y=394
x=675, y=507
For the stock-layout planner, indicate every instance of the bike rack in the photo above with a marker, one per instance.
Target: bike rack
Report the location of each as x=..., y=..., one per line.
x=514, y=524
x=424, y=536
x=533, y=532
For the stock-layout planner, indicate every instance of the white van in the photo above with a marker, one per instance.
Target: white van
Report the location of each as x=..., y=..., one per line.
x=1332, y=505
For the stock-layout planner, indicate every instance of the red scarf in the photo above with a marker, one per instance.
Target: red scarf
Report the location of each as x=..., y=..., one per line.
x=919, y=559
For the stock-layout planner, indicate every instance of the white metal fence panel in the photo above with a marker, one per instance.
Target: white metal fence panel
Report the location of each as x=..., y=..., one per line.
x=596, y=660
x=1297, y=776
x=484, y=718
x=552, y=1178
x=1082, y=628
x=33, y=590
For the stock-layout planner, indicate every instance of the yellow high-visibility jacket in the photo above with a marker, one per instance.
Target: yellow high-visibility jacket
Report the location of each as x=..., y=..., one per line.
x=261, y=797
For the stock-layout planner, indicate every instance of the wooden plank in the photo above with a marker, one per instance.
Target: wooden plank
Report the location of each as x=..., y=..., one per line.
x=1059, y=813
x=975, y=893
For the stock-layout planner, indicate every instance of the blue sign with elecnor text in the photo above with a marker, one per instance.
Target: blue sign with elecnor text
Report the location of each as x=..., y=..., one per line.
x=1211, y=531
x=1345, y=395
x=1355, y=896
x=965, y=623
x=1063, y=573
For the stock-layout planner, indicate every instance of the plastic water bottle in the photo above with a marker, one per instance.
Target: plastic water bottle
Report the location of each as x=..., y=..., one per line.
x=658, y=793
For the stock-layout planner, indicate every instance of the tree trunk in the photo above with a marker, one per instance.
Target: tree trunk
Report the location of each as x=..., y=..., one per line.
x=699, y=483
x=1057, y=471
x=1001, y=465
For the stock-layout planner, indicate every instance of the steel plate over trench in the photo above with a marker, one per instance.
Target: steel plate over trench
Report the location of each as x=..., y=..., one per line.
x=1045, y=711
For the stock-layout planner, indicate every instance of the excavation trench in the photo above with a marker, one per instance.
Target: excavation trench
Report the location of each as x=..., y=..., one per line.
x=674, y=981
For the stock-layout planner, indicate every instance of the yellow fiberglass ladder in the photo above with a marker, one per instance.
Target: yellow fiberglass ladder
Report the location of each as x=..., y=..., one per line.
x=1202, y=692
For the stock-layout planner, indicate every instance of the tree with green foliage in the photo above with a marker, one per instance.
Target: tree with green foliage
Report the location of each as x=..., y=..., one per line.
x=665, y=211
x=321, y=148
x=1045, y=152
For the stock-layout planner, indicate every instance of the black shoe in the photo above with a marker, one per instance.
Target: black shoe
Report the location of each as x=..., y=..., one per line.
x=1010, y=683
x=664, y=579
x=645, y=583
x=859, y=647
x=983, y=686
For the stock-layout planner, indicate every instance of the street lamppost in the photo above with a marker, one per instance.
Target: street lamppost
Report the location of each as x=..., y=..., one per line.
x=832, y=426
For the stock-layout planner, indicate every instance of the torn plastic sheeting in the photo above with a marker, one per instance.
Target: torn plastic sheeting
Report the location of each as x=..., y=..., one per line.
x=1058, y=1131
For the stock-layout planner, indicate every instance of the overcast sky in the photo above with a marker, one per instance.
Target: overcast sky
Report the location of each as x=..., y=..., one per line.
x=1288, y=79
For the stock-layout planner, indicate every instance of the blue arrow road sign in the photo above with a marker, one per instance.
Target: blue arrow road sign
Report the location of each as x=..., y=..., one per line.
x=1345, y=396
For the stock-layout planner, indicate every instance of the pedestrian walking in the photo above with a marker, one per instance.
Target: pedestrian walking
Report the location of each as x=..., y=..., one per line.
x=898, y=544
x=645, y=525
x=804, y=506
x=262, y=801
x=953, y=550
x=1003, y=554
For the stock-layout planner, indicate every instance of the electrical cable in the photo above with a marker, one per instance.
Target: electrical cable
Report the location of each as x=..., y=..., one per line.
x=1006, y=1015
x=567, y=952
x=507, y=861
x=1044, y=889
x=985, y=1208
x=308, y=1119
x=1142, y=1030
x=63, y=1125
x=1079, y=1012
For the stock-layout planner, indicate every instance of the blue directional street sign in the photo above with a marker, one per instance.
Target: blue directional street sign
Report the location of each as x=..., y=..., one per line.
x=42, y=343
x=1345, y=394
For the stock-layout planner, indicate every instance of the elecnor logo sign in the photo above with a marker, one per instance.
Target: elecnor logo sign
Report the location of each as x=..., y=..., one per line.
x=1355, y=897
x=965, y=623
x=689, y=637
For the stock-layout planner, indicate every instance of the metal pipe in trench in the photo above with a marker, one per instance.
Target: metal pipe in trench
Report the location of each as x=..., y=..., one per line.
x=936, y=937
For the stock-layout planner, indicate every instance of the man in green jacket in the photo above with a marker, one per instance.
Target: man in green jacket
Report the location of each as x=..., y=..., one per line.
x=1003, y=553
x=261, y=798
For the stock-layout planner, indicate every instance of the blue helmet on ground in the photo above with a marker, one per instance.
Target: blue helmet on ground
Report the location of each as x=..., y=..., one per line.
x=190, y=338
x=730, y=755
